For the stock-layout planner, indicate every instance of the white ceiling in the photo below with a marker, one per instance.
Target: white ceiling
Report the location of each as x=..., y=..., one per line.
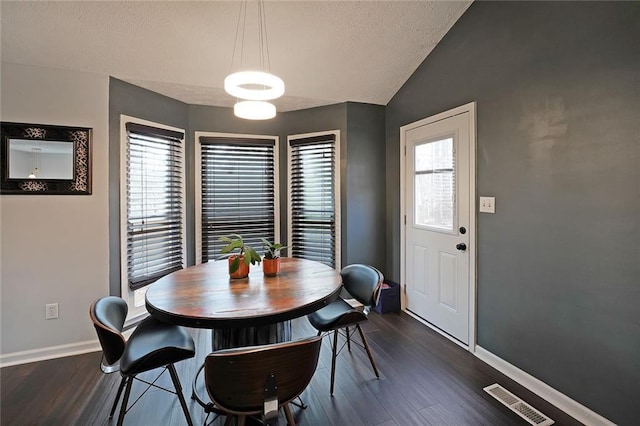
x=325, y=51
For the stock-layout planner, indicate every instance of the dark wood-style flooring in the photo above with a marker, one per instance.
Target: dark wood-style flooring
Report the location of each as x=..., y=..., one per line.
x=424, y=380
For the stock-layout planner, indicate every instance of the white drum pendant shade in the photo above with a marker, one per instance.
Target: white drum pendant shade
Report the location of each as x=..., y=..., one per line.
x=254, y=110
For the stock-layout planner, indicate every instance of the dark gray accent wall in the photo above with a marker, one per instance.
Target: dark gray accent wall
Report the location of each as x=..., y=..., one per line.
x=557, y=86
x=127, y=99
x=365, y=186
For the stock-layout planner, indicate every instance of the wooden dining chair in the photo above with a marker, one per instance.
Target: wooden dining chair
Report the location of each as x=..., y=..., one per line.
x=362, y=282
x=152, y=344
x=259, y=380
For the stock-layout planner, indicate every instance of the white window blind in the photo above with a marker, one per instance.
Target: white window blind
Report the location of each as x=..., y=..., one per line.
x=238, y=191
x=312, y=192
x=155, y=203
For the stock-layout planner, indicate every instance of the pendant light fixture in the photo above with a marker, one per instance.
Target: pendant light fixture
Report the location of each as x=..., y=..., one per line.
x=253, y=88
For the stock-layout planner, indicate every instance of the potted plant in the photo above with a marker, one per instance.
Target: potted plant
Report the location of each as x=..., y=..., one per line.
x=238, y=262
x=271, y=261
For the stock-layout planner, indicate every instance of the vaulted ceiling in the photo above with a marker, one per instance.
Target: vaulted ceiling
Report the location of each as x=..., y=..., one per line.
x=325, y=51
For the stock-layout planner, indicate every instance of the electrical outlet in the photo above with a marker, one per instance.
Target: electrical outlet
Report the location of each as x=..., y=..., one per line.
x=51, y=311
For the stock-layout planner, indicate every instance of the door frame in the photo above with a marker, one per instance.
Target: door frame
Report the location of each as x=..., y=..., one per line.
x=471, y=109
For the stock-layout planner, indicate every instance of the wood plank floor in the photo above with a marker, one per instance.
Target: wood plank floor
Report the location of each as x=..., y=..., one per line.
x=424, y=380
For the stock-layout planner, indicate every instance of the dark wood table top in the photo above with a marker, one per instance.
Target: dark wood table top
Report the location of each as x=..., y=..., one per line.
x=203, y=296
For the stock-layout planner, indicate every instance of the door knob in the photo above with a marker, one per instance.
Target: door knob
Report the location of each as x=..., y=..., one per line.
x=461, y=246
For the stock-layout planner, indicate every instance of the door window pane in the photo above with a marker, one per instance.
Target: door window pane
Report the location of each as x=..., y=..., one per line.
x=434, y=184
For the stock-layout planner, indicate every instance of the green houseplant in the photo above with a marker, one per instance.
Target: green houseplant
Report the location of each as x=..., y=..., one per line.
x=271, y=261
x=240, y=255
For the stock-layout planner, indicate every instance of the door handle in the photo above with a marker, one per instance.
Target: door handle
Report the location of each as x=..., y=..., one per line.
x=461, y=246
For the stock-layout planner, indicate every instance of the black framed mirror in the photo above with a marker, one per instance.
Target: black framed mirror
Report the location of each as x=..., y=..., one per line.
x=45, y=159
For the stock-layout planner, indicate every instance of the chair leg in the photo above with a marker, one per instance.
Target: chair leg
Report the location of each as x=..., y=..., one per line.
x=333, y=358
x=300, y=403
x=366, y=346
x=115, y=403
x=125, y=401
x=348, y=339
x=287, y=412
x=242, y=420
x=176, y=384
x=229, y=420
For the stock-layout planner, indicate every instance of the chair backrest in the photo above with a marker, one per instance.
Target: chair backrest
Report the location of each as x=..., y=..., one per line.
x=235, y=378
x=108, y=315
x=362, y=282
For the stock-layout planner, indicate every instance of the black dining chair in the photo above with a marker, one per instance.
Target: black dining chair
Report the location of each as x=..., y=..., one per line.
x=362, y=282
x=259, y=380
x=152, y=344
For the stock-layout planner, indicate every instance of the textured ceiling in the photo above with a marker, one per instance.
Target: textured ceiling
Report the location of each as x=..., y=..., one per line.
x=325, y=51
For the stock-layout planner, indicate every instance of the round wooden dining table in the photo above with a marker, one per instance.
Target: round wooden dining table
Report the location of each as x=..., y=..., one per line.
x=243, y=311
x=247, y=311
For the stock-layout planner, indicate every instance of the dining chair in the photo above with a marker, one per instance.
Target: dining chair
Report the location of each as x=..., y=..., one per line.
x=362, y=282
x=152, y=344
x=259, y=380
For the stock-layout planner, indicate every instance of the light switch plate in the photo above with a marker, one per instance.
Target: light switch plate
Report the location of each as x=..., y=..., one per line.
x=487, y=204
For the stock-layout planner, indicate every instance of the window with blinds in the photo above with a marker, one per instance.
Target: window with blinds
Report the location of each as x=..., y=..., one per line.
x=155, y=231
x=312, y=198
x=238, y=179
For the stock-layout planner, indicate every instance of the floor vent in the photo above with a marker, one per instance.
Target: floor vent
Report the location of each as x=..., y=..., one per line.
x=518, y=406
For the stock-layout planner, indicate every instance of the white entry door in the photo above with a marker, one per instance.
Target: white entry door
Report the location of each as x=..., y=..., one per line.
x=439, y=223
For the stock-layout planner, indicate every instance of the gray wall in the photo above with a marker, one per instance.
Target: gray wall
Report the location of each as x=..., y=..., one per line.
x=557, y=87
x=365, y=181
x=54, y=247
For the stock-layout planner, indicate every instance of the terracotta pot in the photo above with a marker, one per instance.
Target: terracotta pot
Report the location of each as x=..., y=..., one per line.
x=243, y=268
x=271, y=267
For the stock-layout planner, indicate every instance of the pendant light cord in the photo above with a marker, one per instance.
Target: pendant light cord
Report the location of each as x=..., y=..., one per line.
x=242, y=21
x=263, y=39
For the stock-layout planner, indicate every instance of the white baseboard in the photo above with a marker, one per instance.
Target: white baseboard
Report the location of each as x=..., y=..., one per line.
x=543, y=390
x=51, y=352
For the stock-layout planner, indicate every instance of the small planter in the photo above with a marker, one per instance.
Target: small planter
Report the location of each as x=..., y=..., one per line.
x=271, y=267
x=243, y=268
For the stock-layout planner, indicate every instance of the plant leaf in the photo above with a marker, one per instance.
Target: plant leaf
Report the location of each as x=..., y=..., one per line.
x=251, y=256
x=235, y=264
x=231, y=246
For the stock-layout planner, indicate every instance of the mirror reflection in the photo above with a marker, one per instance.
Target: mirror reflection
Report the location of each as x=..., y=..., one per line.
x=40, y=159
